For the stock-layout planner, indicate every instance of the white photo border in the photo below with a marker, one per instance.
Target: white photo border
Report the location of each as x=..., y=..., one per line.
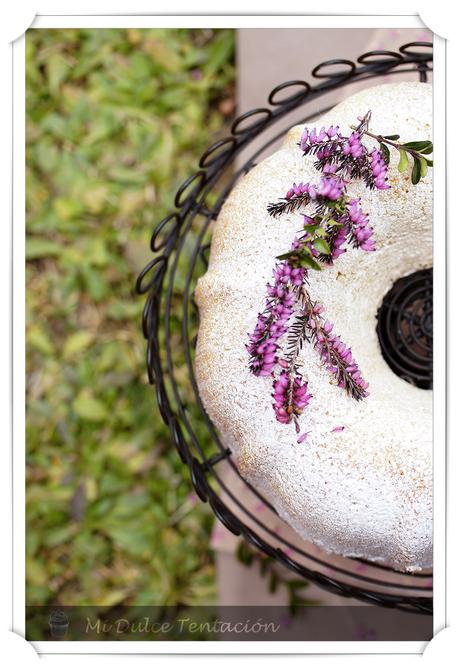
x=439, y=287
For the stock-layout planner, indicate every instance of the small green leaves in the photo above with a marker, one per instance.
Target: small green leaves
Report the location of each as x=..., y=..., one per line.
x=423, y=167
x=425, y=147
x=403, y=161
x=385, y=152
x=89, y=407
x=416, y=171
x=419, y=169
x=307, y=261
x=274, y=582
x=311, y=229
x=300, y=258
x=315, y=230
x=288, y=256
x=415, y=149
x=244, y=554
x=320, y=232
x=322, y=246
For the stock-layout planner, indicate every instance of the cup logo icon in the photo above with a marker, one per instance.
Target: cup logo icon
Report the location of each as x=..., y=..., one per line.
x=58, y=623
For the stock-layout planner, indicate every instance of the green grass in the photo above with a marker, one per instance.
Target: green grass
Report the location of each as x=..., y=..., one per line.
x=116, y=119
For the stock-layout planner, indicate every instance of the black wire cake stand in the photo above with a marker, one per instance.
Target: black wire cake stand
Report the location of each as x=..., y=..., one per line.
x=180, y=244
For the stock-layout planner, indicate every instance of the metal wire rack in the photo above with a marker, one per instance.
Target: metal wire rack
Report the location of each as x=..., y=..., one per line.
x=405, y=328
x=180, y=243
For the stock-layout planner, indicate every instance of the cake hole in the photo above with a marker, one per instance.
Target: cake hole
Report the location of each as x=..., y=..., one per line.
x=405, y=328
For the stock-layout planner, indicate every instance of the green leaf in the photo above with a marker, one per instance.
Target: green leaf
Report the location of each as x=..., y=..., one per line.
x=161, y=53
x=220, y=51
x=311, y=228
x=67, y=208
x=89, y=408
x=297, y=584
x=423, y=167
x=273, y=585
x=306, y=260
x=39, y=248
x=320, y=232
x=403, y=161
x=94, y=283
x=429, y=162
x=385, y=152
x=122, y=310
x=76, y=343
x=57, y=70
x=59, y=535
x=420, y=146
x=288, y=255
x=322, y=246
x=38, y=339
x=244, y=554
x=416, y=171
x=391, y=137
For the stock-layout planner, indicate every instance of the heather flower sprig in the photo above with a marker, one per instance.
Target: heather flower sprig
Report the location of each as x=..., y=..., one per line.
x=290, y=397
x=272, y=324
x=417, y=150
x=351, y=158
x=325, y=236
x=333, y=352
x=348, y=156
x=337, y=220
x=329, y=190
x=356, y=225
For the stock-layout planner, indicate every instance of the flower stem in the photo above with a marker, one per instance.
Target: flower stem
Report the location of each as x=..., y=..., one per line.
x=390, y=142
x=328, y=353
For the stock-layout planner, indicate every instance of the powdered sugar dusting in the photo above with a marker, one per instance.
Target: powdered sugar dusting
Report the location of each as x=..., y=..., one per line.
x=364, y=490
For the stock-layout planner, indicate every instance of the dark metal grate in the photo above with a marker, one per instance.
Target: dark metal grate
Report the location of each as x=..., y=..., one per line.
x=405, y=328
x=180, y=244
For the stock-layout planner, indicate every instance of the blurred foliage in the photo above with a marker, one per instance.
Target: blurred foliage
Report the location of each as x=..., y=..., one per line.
x=116, y=120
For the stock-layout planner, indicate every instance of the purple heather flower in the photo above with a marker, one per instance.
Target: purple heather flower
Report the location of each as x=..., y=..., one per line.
x=337, y=158
x=300, y=396
x=281, y=406
x=379, y=169
x=290, y=396
x=347, y=155
x=336, y=242
x=331, y=188
x=354, y=146
x=300, y=189
x=360, y=229
x=333, y=132
x=337, y=357
x=329, y=168
x=272, y=324
x=338, y=219
x=311, y=137
x=326, y=154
